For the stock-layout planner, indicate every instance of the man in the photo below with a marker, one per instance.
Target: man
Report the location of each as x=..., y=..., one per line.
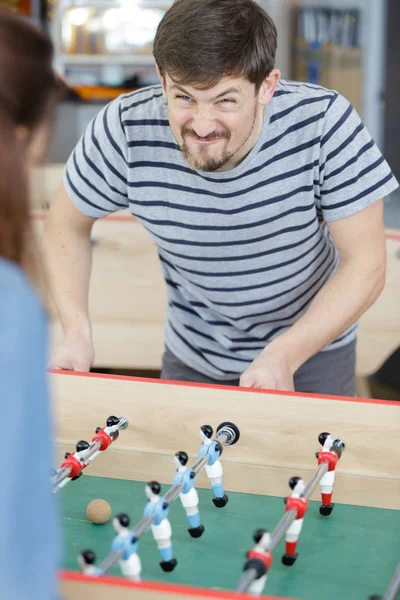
x=264, y=198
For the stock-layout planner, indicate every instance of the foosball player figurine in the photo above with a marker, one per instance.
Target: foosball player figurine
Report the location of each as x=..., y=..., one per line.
x=260, y=560
x=106, y=435
x=330, y=453
x=189, y=497
x=326, y=441
x=125, y=541
x=300, y=505
x=86, y=560
x=214, y=468
x=161, y=528
x=75, y=462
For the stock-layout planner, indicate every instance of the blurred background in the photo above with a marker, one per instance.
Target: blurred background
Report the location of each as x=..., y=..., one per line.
x=104, y=48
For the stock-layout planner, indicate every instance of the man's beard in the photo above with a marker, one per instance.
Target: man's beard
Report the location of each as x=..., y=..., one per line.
x=201, y=161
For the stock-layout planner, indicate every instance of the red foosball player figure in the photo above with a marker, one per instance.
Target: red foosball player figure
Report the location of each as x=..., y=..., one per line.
x=260, y=559
x=106, y=435
x=299, y=504
x=75, y=462
x=330, y=453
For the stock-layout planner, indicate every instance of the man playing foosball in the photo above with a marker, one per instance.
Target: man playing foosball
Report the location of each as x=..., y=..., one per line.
x=264, y=198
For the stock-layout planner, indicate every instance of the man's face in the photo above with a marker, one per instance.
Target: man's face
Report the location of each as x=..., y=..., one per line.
x=214, y=128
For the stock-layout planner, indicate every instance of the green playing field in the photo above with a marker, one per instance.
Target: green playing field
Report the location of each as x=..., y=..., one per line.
x=349, y=555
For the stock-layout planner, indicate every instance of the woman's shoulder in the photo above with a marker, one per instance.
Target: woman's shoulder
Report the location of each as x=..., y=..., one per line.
x=16, y=291
x=23, y=322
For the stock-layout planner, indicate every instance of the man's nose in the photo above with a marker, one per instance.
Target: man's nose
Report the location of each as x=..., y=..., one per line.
x=203, y=124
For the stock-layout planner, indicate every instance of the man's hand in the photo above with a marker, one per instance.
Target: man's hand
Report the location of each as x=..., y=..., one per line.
x=75, y=353
x=270, y=370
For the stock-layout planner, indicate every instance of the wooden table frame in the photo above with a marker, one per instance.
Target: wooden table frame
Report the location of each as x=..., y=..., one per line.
x=278, y=440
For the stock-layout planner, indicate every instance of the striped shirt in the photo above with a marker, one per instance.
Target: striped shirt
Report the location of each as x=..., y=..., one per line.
x=245, y=251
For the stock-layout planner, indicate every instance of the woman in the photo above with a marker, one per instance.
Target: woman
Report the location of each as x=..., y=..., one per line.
x=28, y=540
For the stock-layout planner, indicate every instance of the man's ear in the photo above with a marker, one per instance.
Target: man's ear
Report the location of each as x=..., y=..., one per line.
x=162, y=81
x=268, y=87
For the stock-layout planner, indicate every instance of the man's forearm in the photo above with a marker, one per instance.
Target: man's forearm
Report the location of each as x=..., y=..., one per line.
x=68, y=255
x=341, y=302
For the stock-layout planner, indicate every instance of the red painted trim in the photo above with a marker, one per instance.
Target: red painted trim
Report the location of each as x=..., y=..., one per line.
x=224, y=387
x=393, y=236
x=161, y=587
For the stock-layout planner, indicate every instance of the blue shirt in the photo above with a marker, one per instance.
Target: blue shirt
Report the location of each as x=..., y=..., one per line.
x=28, y=531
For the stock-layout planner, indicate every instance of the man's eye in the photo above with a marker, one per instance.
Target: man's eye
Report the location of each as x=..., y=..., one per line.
x=184, y=98
x=227, y=101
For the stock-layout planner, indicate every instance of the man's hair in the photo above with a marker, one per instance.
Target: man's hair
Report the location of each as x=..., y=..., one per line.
x=200, y=41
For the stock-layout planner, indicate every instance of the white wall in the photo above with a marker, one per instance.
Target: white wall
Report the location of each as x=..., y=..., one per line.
x=281, y=11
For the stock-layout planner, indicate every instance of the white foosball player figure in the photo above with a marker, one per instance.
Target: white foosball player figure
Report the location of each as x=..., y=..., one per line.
x=190, y=499
x=214, y=472
x=299, y=504
x=125, y=541
x=161, y=527
x=331, y=452
x=86, y=560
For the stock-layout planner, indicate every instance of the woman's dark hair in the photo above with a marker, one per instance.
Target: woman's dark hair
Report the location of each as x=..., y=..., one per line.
x=28, y=92
x=200, y=41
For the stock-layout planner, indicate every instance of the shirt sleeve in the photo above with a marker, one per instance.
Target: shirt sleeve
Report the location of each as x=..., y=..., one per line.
x=29, y=533
x=352, y=171
x=96, y=174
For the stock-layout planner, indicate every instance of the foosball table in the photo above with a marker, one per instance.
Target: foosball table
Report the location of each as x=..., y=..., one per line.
x=217, y=492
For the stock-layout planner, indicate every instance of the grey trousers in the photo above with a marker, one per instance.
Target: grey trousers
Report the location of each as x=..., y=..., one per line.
x=331, y=372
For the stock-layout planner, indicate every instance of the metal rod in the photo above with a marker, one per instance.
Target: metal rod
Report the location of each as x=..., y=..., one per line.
x=290, y=515
x=199, y=465
x=249, y=576
x=143, y=526
x=394, y=586
x=246, y=579
x=111, y=560
x=65, y=472
x=315, y=479
x=59, y=477
x=281, y=529
x=222, y=438
x=90, y=453
x=173, y=493
x=123, y=423
x=145, y=523
x=93, y=448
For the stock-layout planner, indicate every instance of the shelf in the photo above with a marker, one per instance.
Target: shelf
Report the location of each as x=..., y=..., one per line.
x=106, y=59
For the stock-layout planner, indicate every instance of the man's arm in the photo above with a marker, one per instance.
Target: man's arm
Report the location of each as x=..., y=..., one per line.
x=68, y=256
x=354, y=287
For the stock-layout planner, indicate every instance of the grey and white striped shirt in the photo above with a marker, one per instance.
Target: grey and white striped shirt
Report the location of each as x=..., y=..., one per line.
x=245, y=251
